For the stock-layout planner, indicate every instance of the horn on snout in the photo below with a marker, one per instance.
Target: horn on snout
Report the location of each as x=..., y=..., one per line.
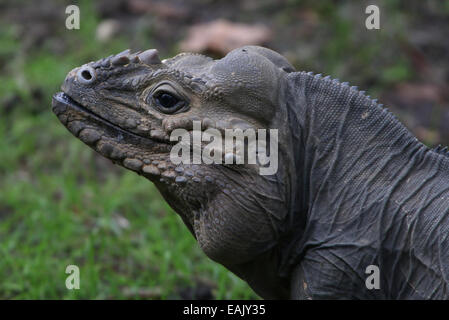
x=150, y=56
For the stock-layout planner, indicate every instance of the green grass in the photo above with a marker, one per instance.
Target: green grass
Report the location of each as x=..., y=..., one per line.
x=62, y=204
x=69, y=214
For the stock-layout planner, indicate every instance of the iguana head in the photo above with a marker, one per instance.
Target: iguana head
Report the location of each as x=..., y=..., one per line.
x=126, y=106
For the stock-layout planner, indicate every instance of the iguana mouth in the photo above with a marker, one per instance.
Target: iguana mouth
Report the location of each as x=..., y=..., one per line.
x=62, y=101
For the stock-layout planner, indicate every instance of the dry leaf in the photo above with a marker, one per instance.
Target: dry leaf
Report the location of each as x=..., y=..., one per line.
x=221, y=36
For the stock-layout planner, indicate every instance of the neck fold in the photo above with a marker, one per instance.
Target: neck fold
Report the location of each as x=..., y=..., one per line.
x=345, y=146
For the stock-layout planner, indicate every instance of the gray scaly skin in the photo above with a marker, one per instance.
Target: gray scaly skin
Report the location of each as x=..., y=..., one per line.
x=354, y=187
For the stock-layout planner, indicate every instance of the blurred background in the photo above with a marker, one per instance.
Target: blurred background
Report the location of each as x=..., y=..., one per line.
x=62, y=204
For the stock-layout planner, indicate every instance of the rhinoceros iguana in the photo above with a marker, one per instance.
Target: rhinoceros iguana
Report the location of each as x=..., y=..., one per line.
x=355, y=192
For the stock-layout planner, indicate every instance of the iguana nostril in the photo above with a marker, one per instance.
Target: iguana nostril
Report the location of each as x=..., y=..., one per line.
x=86, y=74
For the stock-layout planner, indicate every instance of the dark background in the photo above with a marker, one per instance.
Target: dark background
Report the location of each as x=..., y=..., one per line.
x=62, y=204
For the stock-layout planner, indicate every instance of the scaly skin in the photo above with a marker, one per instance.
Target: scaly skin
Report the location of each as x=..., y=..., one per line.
x=354, y=187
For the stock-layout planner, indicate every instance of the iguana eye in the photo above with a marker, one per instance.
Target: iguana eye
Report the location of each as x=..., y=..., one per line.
x=167, y=102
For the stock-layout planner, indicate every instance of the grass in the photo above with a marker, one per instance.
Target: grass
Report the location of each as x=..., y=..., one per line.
x=62, y=204
x=116, y=229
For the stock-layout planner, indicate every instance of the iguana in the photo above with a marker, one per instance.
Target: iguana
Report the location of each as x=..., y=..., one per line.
x=354, y=187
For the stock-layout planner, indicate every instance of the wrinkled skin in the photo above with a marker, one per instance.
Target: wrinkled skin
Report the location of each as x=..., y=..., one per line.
x=354, y=187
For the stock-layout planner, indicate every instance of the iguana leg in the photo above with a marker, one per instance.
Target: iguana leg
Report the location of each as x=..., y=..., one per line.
x=328, y=274
x=300, y=286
